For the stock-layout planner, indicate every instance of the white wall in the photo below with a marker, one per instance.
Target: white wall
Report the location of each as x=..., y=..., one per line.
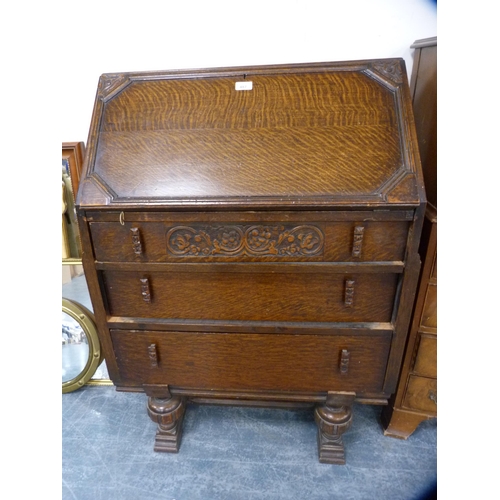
x=108, y=36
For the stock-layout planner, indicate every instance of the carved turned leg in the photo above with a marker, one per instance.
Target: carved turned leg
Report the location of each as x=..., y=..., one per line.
x=333, y=419
x=168, y=413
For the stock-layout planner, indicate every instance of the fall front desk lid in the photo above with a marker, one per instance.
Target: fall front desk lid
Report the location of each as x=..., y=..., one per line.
x=323, y=135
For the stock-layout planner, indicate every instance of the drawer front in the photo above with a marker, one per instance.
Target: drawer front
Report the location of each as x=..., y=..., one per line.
x=256, y=296
x=426, y=360
x=434, y=273
x=273, y=242
x=421, y=394
x=252, y=361
x=429, y=313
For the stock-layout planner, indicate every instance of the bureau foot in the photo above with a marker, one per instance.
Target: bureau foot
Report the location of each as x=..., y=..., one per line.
x=333, y=419
x=169, y=414
x=401, y=424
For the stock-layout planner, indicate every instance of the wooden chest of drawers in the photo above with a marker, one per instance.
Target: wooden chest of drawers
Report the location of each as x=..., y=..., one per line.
x=415, y=399
x=250, y=237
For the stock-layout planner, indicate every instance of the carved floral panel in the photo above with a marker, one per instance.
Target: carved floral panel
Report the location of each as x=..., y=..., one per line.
x=255, y=240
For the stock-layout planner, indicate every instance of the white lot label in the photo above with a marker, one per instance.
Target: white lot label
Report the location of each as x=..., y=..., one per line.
x=243, y=86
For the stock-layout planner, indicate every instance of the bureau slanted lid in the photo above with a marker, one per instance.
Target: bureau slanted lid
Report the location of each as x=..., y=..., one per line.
x=322, y=135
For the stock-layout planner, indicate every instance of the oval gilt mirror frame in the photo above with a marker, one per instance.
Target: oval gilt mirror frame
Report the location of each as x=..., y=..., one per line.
x=86, y=322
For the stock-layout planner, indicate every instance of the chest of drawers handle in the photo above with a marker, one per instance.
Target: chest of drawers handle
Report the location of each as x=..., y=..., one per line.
x=344, y=361
x=136, y=240
x=349, y=293
x=357, y=241
x=145, y=290
x=433, y=397
x=153, y=355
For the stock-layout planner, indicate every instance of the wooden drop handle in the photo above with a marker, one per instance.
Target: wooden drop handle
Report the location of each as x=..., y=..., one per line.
x=344, y=361
x=349, y=293
x=357, y=241
x=145, y=290
x=136, y=240
x=153, y=355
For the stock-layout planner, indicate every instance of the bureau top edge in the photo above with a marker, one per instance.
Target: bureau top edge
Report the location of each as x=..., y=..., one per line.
x=246, y=205
x=249, y=70
x=134, y=214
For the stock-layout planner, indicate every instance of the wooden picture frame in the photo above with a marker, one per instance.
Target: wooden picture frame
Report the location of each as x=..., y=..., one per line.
x=74, y=153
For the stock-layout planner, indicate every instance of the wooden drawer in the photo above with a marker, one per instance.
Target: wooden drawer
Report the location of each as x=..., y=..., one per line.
x=211, y=292
x=429, y=313
x=221, y=361
x=421, y=394
x=426, y=360
x=434, y=273
x=351, y=241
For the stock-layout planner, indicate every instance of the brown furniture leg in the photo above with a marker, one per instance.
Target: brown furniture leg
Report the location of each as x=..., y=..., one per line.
x=168, y=413
x=400, y=423
x=333, y=419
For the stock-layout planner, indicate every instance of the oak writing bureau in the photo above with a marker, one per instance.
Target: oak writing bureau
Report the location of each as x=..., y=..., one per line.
x=250, y=237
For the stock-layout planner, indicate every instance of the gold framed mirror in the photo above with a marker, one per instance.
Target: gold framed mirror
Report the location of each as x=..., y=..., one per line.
x=81, y=350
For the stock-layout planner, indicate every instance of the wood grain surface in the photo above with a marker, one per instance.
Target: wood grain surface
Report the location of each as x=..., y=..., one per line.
x=334, y=241
x=294, y=134
x=252, y=361
x=254, y=245
x=252, y=295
